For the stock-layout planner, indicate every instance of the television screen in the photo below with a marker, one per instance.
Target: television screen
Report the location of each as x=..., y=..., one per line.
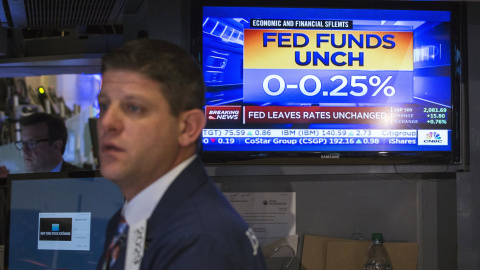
x=323, y=84
x=58, y=220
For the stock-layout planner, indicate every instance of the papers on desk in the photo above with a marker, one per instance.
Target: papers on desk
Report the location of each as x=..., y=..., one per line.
x=271, y=215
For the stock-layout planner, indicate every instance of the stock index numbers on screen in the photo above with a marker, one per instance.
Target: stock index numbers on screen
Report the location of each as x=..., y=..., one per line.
x=330, y=80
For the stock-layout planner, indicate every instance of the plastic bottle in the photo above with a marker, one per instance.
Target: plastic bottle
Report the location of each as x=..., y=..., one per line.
x=377, y=257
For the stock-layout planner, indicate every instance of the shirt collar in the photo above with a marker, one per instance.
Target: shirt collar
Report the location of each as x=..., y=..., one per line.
x=58, y=167
x=142, y=205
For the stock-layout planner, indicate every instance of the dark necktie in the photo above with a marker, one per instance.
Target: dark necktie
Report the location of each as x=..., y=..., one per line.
x=118, y=243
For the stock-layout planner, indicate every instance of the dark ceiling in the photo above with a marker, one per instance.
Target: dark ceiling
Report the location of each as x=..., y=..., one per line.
x=35, y=34
x=60, y=13
x=47, y=18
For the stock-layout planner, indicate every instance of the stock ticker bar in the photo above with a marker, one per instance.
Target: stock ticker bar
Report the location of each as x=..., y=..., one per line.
x=326, y=137
x=306, y=137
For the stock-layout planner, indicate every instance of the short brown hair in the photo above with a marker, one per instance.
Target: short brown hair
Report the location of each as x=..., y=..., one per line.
x=56, y=126
x=165, y=63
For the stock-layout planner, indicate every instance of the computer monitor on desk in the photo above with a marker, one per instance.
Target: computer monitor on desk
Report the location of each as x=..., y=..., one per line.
x=3, y=192
x=3, y=187
x=58, y=220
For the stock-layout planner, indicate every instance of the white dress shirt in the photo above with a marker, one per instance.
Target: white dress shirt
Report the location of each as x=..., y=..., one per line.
x=142, y=205
x=58, y=167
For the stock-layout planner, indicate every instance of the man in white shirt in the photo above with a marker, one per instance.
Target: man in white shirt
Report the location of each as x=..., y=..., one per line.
x=150, y=122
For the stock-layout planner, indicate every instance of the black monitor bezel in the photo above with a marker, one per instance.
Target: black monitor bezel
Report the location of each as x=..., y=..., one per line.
x=457, y=155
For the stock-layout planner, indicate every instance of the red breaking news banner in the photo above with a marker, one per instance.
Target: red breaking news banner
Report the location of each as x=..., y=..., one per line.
x=223, y=113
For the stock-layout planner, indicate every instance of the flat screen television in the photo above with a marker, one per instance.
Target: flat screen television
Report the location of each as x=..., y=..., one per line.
x=319, y=83
x=58, y=220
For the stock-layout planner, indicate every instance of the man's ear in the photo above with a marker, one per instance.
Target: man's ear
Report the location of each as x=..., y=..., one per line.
x=57, y=145
x=191, y=126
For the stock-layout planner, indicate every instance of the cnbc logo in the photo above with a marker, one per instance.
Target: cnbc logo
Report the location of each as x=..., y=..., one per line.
x=433, y=137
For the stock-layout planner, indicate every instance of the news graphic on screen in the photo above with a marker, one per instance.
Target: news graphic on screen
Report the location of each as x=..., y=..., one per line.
x=327, y=79
x=64, y=231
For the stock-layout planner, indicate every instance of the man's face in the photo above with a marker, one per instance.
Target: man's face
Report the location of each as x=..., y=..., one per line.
x=44, y=157
x=138, y=136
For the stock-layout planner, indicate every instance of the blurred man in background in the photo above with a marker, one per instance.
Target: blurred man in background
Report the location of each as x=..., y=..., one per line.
x=43, y=142
x=3, y=172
